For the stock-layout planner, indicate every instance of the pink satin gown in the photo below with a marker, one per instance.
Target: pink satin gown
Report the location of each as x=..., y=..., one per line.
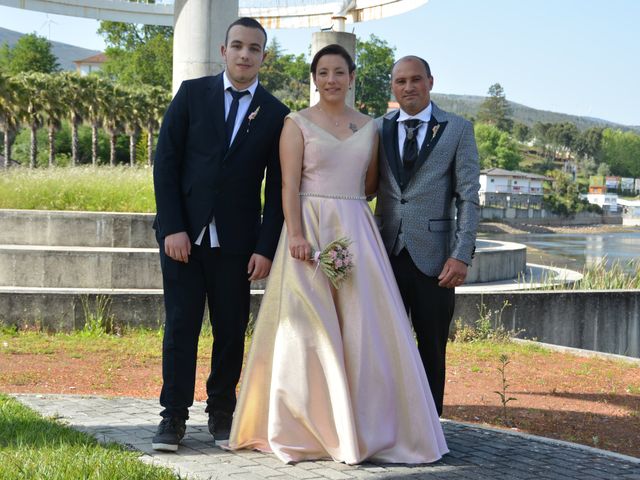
x=336, y=373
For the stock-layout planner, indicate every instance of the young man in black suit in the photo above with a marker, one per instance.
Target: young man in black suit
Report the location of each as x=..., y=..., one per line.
x=218, y=137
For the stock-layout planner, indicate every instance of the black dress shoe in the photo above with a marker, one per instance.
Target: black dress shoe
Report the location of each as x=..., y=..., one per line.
x=169, y=434
x=220, y=427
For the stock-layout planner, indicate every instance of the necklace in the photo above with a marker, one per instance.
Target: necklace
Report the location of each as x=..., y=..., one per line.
x=335, y=122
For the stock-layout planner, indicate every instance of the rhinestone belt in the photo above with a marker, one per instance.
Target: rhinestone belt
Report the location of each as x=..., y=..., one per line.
x=327, y=195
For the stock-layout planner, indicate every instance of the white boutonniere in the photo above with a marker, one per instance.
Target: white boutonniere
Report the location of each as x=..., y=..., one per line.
x=252, y=117
x=434, y=130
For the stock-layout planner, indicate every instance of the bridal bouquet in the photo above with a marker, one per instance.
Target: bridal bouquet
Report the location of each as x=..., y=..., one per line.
x=335, y=260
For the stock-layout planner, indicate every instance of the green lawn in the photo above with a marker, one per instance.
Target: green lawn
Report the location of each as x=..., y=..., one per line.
x=90, y=189
x=33, y=447
x=103, y=189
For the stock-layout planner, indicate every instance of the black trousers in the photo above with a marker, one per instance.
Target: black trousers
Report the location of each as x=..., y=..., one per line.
x=222, y=281
x=430, y=308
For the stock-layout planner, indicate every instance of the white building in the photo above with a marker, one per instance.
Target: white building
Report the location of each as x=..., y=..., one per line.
x=90, y=64
x=511, y=189
x=630, y=212
x=608, y=201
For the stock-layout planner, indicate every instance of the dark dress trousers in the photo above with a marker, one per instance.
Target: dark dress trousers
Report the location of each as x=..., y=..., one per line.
x=198, y=177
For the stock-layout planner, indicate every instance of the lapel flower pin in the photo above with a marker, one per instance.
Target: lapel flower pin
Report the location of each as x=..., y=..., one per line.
x=434, y=130
x=252, y=116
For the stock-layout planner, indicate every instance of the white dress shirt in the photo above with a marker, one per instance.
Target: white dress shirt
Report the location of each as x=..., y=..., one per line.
x=243, y=106
x=424, y=116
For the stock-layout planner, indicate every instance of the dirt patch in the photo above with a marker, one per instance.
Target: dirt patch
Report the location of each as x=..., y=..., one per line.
x=589, y=401
x=595, y=402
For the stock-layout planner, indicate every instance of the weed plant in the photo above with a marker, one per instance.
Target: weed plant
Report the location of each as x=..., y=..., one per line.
x=98, y=319
x=102, y=189
x=32, y=447
x=502, y=393
x=488, y=326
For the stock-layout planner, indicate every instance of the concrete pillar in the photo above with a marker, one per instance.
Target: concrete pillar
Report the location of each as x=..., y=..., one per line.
x=322, y=39
x=199, y=29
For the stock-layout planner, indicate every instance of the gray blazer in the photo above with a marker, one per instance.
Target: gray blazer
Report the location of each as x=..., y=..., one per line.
x=438, y=208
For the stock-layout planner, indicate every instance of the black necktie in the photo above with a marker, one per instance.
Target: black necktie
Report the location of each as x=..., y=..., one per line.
x=233, y=111
x=410, y=148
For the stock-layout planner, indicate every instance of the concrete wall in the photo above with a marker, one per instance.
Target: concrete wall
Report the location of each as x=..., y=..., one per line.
x=60, y=310
x=52, y=249
x=85, y=229
x=581, y=218
x=64, y=309
x=39, y=283
x=544, y=217
x=502, y=214
x=497, y=261
x=600, y=320
x=79, y=267
x=605, y=321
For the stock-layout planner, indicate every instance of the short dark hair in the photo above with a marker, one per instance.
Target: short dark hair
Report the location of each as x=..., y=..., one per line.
x=333, y=49
x=413, y=57
x=246, y=22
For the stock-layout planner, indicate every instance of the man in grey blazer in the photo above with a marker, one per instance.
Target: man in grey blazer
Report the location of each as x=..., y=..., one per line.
x=427, y=208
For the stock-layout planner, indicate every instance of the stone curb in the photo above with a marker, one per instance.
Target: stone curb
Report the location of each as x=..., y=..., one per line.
x=579, y=352
x=554, y=441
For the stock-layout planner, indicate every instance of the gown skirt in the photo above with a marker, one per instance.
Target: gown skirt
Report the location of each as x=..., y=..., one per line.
x=336, y=373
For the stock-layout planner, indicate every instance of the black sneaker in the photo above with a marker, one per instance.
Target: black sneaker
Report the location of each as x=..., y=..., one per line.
x=169, y=434
x=220, y=427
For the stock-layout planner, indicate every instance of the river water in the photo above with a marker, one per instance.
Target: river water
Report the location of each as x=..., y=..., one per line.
x=574, y=250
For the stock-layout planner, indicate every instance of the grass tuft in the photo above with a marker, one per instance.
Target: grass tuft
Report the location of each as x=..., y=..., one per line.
x=600, y=276
x=98, y=319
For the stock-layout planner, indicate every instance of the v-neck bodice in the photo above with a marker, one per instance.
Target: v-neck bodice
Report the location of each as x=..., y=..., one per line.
x=331, y=166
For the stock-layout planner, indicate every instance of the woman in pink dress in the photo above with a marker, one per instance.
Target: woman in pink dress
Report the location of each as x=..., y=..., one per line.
x=333, y=373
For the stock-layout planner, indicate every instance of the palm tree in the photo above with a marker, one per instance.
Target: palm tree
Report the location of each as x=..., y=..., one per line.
x=77, y=95
x=11, y=113
x=132, y=117
x=156, y=101
x=54, y=109
x=113, y=119
x=96, y=92
x=33, y=85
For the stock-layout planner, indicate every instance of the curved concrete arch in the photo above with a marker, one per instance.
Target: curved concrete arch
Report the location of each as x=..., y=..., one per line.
x=114, y=10
x=199, y=25
x=320, y=15
x=294, y=16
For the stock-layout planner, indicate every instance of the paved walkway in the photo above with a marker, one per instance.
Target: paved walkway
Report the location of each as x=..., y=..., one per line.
x=476, y=453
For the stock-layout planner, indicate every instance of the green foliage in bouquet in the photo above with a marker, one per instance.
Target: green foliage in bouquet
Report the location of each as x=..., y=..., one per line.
x=335, y=261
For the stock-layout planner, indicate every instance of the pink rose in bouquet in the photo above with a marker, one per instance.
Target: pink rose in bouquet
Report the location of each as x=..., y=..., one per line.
x=335, y=260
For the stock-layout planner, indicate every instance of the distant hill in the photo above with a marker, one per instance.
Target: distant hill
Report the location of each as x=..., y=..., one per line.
x=468, y=105
x=66, y=53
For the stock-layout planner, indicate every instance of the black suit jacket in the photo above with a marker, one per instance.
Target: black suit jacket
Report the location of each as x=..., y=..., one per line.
x=196, y=177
